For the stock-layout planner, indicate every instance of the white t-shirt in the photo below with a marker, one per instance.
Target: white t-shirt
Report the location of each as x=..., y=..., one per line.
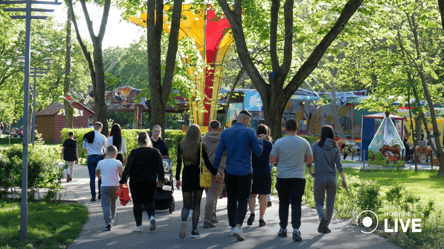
x=122, y=145
x=109, y=170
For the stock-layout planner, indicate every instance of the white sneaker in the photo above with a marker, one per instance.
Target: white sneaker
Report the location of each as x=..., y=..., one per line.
x=183, y=230
x=231, y=232
x=237, y=232
x=138, y=229
x=152, y=223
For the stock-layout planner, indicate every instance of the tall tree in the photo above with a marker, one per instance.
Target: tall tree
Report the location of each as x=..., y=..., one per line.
x=96, y=67
x=275, y=95
x=161, y=85
x=68, y=108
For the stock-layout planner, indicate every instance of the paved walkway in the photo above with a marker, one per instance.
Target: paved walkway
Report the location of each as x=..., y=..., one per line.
x=344, y=235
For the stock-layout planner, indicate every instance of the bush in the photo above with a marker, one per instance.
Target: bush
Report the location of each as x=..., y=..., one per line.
x=42, y=170
x=5, y=140
x=310, y=139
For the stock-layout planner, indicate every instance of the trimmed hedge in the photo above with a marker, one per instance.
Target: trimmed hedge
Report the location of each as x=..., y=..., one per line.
x=5, y=140
x=310, y=139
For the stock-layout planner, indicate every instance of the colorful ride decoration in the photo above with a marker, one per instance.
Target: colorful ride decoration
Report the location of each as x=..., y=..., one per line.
x=387, y=147
x=214, y=43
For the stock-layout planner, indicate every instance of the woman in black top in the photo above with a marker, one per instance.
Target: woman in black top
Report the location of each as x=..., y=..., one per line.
x=144, y=166
x=158, y=143
x=261, y=178
x=188, y=153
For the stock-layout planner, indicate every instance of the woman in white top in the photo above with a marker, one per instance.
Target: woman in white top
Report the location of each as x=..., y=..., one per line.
x=115, y=138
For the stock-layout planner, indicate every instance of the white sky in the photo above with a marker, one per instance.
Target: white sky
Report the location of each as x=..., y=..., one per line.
x=118, y=32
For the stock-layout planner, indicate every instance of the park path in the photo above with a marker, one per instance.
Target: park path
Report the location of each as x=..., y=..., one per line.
x=343, y=235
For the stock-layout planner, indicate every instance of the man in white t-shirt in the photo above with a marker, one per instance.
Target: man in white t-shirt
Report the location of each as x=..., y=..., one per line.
x=109, y=169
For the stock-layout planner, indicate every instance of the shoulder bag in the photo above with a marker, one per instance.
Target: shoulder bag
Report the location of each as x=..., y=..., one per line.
x=205, y=176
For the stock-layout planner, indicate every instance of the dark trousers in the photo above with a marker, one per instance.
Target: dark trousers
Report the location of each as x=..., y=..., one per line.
x=238, y=193
x=92, y=162
x=290, y=191
x=142, y=192
x=120, y=158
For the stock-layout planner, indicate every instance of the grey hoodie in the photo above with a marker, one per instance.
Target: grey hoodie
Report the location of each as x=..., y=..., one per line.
x=211, y=139
x=326, y=157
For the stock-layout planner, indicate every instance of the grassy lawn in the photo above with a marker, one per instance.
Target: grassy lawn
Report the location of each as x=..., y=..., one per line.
x=50, y=225
x=422, y=183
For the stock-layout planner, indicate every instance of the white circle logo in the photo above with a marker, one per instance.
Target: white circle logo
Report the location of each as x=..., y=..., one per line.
x=366, y=219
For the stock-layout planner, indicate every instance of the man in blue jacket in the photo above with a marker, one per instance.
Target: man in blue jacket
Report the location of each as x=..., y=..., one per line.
x=239, y=142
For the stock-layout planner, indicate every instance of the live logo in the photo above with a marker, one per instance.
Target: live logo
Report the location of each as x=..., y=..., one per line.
x=414, y=223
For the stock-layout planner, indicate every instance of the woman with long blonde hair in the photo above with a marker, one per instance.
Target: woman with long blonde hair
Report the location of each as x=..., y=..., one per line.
x=188, y=154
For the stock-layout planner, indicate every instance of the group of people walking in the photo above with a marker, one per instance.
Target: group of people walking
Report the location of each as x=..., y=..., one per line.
x=237, y=157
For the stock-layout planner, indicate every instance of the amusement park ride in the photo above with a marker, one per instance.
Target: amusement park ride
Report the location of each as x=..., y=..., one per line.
x=214, y=44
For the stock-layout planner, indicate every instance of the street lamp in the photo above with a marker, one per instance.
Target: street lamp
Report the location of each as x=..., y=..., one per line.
x=36, y=72
x=27, y=17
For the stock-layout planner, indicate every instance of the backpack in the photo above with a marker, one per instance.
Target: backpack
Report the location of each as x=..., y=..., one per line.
x=89, y=137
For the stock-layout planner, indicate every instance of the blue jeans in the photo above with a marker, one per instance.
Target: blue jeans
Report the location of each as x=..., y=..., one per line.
x=93, y=160
x=290, y=190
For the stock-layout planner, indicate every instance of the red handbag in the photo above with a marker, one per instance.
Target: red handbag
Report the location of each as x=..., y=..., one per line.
x=123, y=194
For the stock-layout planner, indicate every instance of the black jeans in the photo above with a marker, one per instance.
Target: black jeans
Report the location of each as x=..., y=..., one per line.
x=142, y=192
x=238, y=193
x=290, y=190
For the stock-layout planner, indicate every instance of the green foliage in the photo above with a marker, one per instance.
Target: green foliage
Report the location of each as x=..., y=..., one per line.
x=42, y=170
x=310, y=139
x=47, y=40
x=5, y=140
x=50, y=225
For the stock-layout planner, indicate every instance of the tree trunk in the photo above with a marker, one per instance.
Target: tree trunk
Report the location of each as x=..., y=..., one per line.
x=99, y=88
x=273, y=119
x=96, y=69
x=68, y=108
x=334, y=109
x=161, y=87
x=413, y=131
x=420, y=69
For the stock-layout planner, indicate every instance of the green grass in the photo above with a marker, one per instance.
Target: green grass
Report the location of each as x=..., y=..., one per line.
x=423, y=183
x=50, y=225
x=347, y=161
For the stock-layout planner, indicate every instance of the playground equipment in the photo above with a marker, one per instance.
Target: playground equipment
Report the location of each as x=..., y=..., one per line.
x=214, y=44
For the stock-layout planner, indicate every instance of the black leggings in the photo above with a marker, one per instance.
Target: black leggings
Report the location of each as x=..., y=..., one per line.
x=188, y=203
x=142, y=192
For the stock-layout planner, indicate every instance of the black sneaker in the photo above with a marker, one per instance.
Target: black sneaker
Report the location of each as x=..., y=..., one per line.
x=326, y=230
x=261, y=223
x=93, y=199
x=100, y=197
x=322, y=225
x=195, y=233
x=269, y=204
x=282, y=232
x=297, y=235
x=250, y=220
x=108, y=228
